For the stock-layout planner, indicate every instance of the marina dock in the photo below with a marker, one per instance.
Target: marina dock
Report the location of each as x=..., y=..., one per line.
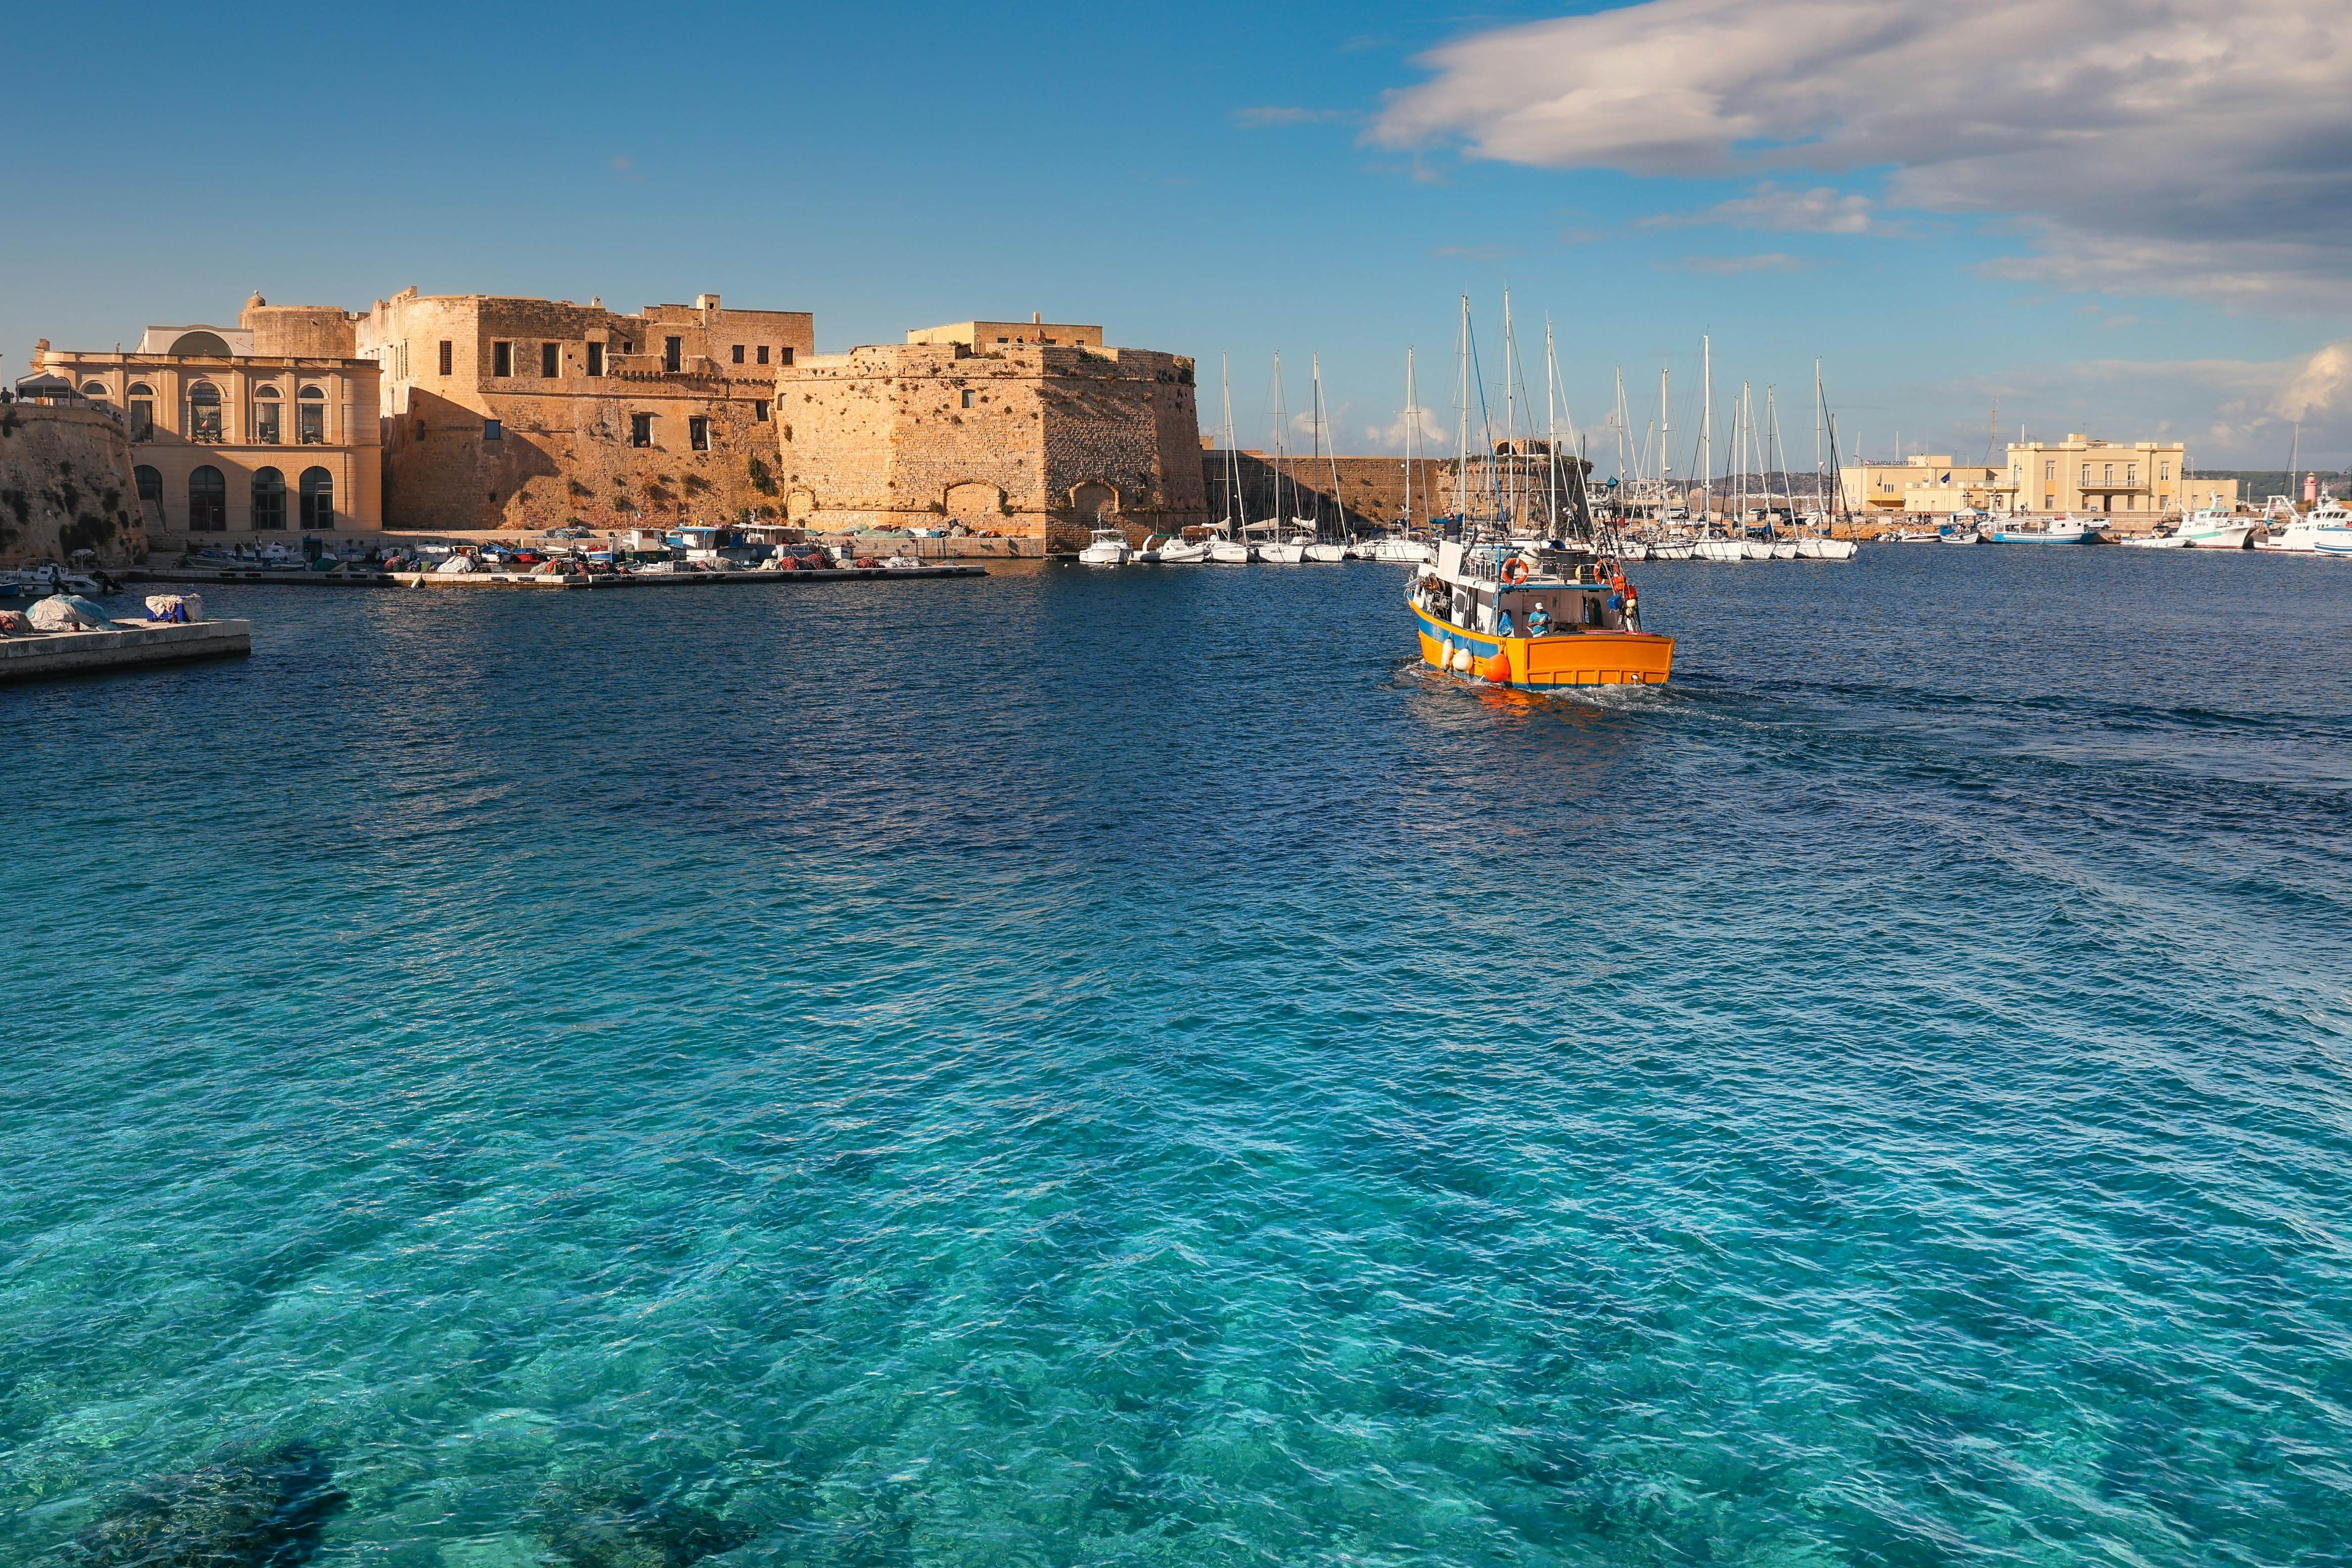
x=133, y=642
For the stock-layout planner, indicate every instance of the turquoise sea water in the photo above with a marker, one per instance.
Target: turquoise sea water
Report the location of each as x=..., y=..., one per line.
x=1124, y=1068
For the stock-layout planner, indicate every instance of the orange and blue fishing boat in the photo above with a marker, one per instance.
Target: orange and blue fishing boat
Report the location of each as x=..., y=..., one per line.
x=1506, y=615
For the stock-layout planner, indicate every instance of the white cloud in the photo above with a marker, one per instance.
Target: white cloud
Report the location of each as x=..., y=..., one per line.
x=2238, y=413
x=2174, y=146
x=2323, y=387
x=1732, y=265
x=1428, y=428
x=1818, y=211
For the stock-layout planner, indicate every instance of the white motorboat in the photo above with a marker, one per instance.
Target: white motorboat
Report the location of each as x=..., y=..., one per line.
x=1147, y=554
x=1182, y=552
x=2056, y=531
x=2208, y=530
x=1108, y=547
x=1960, y=536
x=2324, y=529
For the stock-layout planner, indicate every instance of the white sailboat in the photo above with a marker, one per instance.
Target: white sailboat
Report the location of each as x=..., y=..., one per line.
x=1274, y=548
x=1230, y=545
x=1816, y=543
x=1400, y=547
x=1321, y=548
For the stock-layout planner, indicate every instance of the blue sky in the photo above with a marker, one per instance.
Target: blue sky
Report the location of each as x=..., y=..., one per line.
x=1210, y=179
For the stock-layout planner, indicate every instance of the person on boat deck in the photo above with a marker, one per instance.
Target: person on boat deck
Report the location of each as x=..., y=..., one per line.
x=1539, y=620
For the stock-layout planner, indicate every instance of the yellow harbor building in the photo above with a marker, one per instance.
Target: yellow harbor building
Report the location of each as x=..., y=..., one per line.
x=2079, y=474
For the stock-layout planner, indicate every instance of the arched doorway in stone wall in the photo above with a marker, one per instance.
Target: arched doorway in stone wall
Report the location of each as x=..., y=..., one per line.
x=1096, y=503
x=799, y=503
x=976, y=506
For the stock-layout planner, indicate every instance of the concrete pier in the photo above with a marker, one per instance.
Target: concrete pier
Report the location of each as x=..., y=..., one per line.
x=44, y=654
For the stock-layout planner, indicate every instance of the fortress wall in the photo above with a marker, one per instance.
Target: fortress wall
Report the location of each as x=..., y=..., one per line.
x=881, y=438
x=66, y=484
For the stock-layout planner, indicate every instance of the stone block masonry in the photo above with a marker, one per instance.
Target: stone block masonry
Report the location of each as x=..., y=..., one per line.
x=519, y=414
x=1027, y=441
x=66, y=485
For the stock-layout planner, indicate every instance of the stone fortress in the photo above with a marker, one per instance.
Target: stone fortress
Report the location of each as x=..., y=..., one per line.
x=475, y=413
x=1029, y=429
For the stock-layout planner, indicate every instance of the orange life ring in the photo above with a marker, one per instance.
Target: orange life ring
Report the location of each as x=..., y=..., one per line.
x=1515, y=573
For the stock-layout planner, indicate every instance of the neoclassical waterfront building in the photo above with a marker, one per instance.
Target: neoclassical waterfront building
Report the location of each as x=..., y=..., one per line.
x=265, y=428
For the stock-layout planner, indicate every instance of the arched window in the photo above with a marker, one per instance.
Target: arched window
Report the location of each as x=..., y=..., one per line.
x=151, y=483
x=204, y=412
x=318, y=499
x=199, y=344
x=265, y=416
x=95, y=390
x=311, y=417
x=141, y=398
x=207, y=500
x=268, y=499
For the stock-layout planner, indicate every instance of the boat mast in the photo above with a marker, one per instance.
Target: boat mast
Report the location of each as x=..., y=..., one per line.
x=1461, y=457
x=1551, y=428
x=1411, y=419
x=1331, y=456
x=1819, y=502
x=1510, y=424
x=1706, y=428
x=1233, y=455
x=1279, y=518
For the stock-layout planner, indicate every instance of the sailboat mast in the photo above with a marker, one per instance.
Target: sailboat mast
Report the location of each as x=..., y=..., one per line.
x=1331, y=456
x=1462, y=456
x=1819, y=502
x=1552, y=427
x=1510, y=422
x=1705, y=427
x=1412, y=421
x=1281, y=417
x=1233, y=457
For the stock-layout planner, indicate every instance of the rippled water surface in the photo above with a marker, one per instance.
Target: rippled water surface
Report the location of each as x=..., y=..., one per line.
x=1124, y=1068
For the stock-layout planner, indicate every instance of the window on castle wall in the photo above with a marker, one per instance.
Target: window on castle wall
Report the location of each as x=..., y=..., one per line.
x=447, y=358
x=739, y=353
x=759, y=411
x=595, y=359
x=784, y=355
x=641, y=429
x=551, y=360
x=673, y=354
x=763, y=353
x=502, y=359
x=493, y=430
x=697, y=433
x=969, y=397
